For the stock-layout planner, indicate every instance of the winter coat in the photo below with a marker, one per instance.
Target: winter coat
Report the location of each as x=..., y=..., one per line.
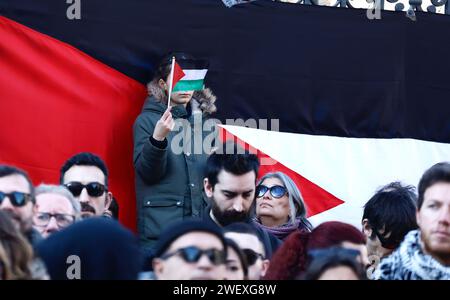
x=169, y=177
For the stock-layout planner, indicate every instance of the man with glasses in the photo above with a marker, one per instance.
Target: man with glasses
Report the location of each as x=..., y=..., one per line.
x=17, y=200
x=388, y=216
x=85, y=175
x=56, y=208
x=190, y=250
x=247, y=239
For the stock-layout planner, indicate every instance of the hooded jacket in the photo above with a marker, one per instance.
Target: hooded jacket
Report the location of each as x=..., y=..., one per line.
x=169, y=176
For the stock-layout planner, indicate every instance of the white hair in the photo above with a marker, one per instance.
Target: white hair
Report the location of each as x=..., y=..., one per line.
x=62, y=191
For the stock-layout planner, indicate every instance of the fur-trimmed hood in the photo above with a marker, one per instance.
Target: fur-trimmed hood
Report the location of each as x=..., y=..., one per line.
x=204, y=99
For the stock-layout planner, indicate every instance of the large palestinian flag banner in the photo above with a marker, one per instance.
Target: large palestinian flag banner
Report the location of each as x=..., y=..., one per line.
x=359, y=102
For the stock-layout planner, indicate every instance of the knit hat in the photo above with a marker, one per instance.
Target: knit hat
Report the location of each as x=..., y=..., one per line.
x=178, y=229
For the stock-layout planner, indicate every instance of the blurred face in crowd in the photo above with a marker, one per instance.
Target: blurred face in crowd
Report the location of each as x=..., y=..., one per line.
x=192, y=256
x=176, y=98
x=254, y=250
x=373, y=244
x=234, y=269
x=21, y=214
x=339, y=273
x=53, y=213
x=272, y=210
x=434, y=221
x=94, y=195
x=232, y=196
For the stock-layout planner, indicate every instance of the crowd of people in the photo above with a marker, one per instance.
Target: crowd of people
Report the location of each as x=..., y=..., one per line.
x=251, y=229
x=211, y=215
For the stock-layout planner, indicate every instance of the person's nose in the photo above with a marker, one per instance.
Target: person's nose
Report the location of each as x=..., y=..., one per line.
x=204, y=263
x=84, y=196
x=52, y=225
x=6, y=204
x=238, y=204
x=444, y=216
x=267, y=195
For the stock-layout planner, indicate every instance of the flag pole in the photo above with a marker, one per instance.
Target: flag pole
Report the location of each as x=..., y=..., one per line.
x=171, y=80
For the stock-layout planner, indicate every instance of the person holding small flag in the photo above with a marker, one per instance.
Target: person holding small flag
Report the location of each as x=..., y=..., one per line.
x=169, y=151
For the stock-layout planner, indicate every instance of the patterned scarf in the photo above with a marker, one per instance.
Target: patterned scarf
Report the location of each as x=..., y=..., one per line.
x=409, y=262
x=281, y=232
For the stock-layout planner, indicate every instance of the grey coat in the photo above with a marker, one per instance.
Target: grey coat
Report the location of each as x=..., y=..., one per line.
x=169, y=181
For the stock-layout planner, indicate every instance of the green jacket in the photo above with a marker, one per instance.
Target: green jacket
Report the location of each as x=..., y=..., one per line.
x=169, y=180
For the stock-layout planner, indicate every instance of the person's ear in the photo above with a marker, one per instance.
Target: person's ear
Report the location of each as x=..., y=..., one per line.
x=108, y=200
x=265, y=267
x=162, y=84
x=367, y=230
x=208, y=188
x=158, y=267
x=418, y=217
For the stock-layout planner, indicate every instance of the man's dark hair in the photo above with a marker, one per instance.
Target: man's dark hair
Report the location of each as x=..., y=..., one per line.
x=6, y=170
x=392, y=210
x=440, y=172
x=84, y=159
x=238, y=163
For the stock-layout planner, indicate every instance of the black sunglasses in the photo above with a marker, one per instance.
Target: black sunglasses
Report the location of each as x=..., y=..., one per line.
x=277, y=191
x=252, y=256
x=193, y=254
x=94, y=189
x=17, y=199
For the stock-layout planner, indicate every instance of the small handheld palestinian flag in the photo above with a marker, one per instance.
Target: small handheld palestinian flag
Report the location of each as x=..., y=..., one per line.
x=187, y=75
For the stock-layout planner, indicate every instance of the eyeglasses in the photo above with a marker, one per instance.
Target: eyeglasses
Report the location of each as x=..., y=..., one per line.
x=63, y=220
x=17, y=199
x=277, y=191
x=252, y=256
x=94, y=189
x=193, y=254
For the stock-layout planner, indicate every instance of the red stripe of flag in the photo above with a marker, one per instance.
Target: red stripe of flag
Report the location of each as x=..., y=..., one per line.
x=317, y=199
x=57, y=101
x=177, y=74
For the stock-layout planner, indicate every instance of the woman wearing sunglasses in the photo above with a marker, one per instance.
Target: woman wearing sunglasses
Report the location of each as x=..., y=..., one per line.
x=280, y=208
